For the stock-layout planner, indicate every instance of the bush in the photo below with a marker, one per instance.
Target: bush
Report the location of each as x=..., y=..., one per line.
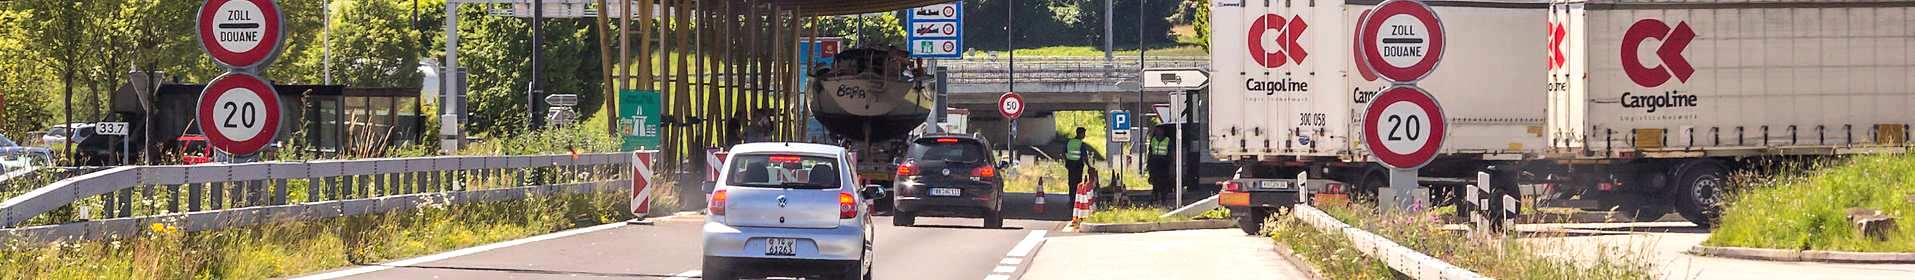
x=1808, y=210
x=1495, y=257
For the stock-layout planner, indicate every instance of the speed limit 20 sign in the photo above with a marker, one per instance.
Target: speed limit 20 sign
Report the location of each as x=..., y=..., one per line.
x=239, y=113
x=241, y=34
x=1404, y=127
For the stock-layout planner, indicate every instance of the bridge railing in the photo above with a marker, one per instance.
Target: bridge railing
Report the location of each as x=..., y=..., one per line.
x=202, y=197
x=1060, y=69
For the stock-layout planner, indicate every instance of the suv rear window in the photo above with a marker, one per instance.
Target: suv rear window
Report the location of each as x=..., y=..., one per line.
x=784, y=171
x=953, y=151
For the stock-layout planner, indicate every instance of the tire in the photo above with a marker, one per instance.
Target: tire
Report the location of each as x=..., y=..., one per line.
x=715, y=269
x=993, y=219
x=1645, y=210
x=903, y=219
x=1366, y=190
x=1252, y=223
x=1699, y=193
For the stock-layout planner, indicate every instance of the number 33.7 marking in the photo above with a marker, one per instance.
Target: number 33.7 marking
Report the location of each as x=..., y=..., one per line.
x=246, y=114
x=1410, y=126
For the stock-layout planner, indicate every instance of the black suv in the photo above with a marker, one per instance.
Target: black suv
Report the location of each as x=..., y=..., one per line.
x=948, y=172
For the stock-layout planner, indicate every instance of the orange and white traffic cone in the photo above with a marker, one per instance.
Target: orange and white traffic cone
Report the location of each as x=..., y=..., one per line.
x=1082, y=205
x=1038, y=206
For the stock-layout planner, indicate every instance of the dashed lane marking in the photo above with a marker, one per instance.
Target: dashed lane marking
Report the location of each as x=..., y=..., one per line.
x=1016, y=256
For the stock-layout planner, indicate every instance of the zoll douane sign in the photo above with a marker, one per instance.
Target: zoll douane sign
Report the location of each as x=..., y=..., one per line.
x=1402, y=41
x=241, y=34
x=239, y=113
x=1404, y=127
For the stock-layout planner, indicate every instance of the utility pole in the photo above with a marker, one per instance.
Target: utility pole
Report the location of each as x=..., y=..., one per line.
x=1109, y=46
x=536, y=121
x=325, y=37
x=1142, y=155
x=1010, y=46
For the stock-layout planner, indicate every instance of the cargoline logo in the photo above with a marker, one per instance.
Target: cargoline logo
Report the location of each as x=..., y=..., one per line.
x=1286, y=42
x=1674, y=41
x=1556, y=35
x=1674, y=65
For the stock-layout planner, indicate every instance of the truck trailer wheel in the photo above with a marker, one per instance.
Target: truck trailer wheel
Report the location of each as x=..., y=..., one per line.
x=1699, y=193
x=1251, y=222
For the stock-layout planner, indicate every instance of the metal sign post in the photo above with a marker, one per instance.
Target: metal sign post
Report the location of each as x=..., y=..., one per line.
x=118, y=129
x=1181, y=82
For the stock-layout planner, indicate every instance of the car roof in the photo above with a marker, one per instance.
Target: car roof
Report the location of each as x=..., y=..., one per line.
x=787, y=147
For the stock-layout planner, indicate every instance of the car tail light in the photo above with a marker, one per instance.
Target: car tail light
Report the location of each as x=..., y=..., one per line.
x=717, y=207
x=1233, y=187
x=907, y=169
x=984, y=172
x=847, y=206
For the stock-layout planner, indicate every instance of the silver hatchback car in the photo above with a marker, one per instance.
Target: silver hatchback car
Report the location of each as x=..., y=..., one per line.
x=790, y=210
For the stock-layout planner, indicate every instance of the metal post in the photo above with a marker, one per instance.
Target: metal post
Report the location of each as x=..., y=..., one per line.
x=534, y=120
x=1401, y=182
x=1144, y=130
x=1180, y=165
x=1109, y=43
x=449, y=83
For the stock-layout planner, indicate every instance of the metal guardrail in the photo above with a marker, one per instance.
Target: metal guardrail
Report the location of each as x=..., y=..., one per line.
x=1402, y=259
x=264, y=190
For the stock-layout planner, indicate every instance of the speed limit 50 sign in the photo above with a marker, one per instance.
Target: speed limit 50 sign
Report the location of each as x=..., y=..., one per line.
x=239, y=113
x=1404, y=127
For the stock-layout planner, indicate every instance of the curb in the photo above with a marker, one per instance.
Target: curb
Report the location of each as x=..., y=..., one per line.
x=1802, y=256
x=1150, y=227
x=1296, y=261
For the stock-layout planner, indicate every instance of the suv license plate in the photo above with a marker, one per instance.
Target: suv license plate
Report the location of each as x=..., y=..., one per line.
x=781, y=247
x=945, y=192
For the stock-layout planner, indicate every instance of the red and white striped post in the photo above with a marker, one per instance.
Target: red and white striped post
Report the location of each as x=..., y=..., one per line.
x=714, y=157
x=642, y=185
x=1083, y=205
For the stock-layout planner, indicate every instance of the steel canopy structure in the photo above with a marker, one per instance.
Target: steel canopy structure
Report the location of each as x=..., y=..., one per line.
x=727, y=70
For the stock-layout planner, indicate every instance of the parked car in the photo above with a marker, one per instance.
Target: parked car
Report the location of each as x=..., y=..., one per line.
x=949, y=173
x=57, y=135
x=15, y=157
x=788, y=210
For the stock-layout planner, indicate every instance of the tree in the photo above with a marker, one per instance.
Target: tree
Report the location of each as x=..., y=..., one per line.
x=496, y=52
x=372, y=46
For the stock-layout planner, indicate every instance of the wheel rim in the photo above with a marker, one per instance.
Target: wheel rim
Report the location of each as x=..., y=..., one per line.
x=1707, y=192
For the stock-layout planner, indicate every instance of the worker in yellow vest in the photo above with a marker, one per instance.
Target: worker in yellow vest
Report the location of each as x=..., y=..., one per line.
x=1074, y=156
x=1159, y=167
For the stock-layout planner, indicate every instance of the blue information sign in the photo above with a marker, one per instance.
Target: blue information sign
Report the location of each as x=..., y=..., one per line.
x=936, y=31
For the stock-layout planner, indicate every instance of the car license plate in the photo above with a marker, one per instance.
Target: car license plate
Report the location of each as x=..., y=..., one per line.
x=1273, y=185
x=945, y=192
x=781, y=247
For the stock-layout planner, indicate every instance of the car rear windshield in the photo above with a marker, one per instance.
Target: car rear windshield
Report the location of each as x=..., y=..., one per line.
x=948, y=150
x=784, y=171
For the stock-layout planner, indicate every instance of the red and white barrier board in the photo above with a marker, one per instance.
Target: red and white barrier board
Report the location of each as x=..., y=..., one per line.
x=642, y=182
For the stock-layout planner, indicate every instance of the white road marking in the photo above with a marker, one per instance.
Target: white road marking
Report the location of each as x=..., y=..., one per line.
x=457, y=253
x=1005, y=269
x=687, y=275
x=1016, y=256
x=1023, y=248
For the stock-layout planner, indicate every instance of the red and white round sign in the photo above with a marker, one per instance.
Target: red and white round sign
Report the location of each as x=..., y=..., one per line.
x=1402, y=41
x=1011, y=105
x=239, y=113
x=241, y=33
x=1404, y=127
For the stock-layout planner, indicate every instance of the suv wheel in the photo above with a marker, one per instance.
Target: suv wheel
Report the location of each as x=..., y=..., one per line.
x=993, y=219
x=903, y=219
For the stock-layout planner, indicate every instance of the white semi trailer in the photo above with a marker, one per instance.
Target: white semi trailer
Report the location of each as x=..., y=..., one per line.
x=1645, y=106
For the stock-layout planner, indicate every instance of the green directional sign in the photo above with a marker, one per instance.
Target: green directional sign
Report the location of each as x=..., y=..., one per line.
x=638, y=119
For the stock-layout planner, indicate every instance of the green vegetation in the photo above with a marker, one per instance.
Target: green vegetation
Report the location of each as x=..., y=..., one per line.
x=1131, y=215
x=1807, y=210
x=293, y=248
x=1329, y=254
x=1025, y=176
x=1500, y=258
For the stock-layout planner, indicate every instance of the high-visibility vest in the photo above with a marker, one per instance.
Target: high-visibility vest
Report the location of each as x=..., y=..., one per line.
x=1160, y=146
x=1072, y=149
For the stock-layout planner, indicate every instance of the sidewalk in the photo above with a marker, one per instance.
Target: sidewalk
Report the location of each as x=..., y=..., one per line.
x=1187, y=254
x=1667, y=244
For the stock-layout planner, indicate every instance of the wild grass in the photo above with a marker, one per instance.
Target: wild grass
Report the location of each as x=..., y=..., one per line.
x=294, y=248
x=1807, y=210
x=1132, y=215
x=1329, y=254
x=1500, y=257
x=1025, y=176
